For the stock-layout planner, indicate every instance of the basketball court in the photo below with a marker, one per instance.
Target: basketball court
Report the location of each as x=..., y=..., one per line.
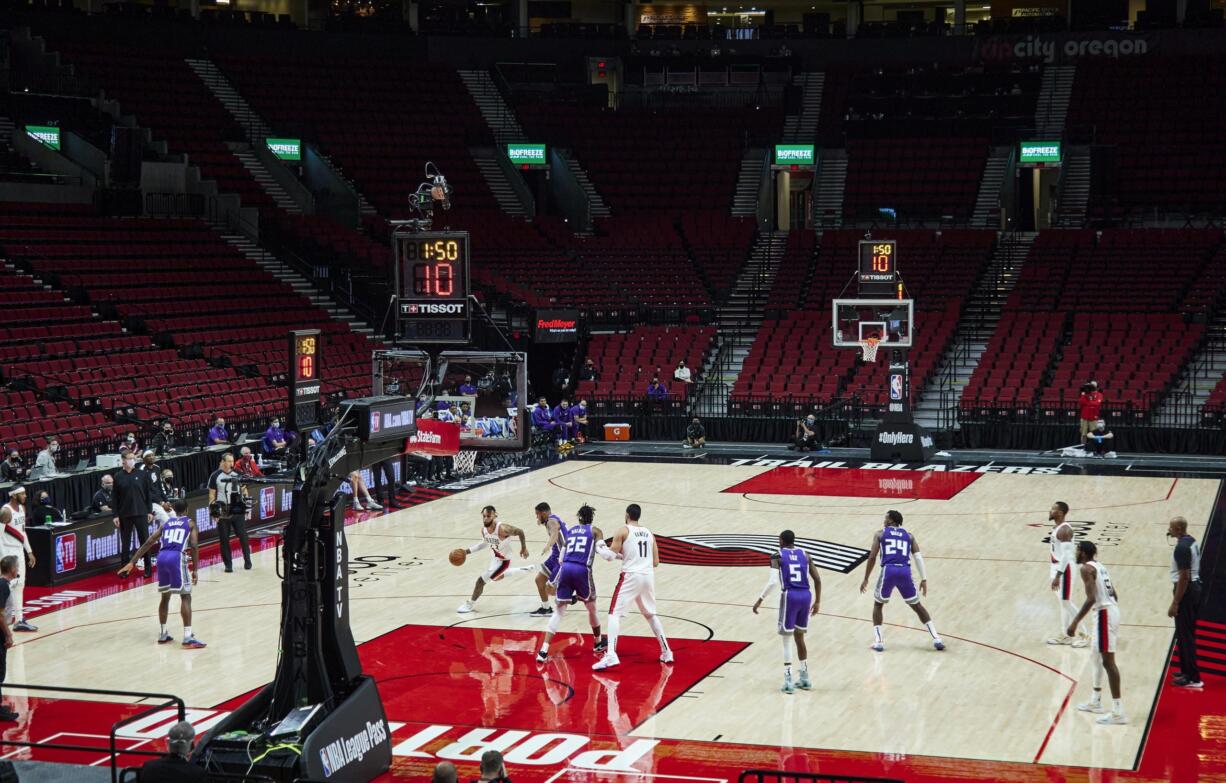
x=454, y=685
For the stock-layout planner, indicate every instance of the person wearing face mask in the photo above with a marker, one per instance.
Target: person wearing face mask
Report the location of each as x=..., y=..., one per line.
x=133, y=507
x=247, y=465
x=45, y=513
x=44, y=465
x=104, y=499
x=807, y=436
x=13, y=469
x=129, y=443
x=218, y=435
x=275, y=438
x=227, y=505
x=164, y=441
x=13, y=542
x=164, y=496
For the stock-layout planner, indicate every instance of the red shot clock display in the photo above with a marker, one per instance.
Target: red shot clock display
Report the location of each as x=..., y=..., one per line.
x=434, y=286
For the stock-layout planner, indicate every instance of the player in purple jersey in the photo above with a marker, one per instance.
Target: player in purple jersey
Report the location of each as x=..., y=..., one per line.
x=790, y=571
x=896, y=547
x=574, y=580
x=549, y=568
x=175, y=574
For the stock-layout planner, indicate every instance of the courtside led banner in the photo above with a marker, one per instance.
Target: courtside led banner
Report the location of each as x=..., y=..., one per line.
x=795, y=155
x=1039, y=152
x=285, y=149
x=527, y=154
x=46, y=134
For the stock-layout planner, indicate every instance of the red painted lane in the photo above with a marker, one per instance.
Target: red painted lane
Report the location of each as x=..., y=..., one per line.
x=857, y=483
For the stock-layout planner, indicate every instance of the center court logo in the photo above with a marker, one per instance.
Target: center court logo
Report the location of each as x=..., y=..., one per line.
x=736, y=549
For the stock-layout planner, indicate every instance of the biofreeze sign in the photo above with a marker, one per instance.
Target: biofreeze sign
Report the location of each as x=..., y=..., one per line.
x=795, y=155
x=48, y=135
x=1039, y=152
x=285, y=149
x=526, y=154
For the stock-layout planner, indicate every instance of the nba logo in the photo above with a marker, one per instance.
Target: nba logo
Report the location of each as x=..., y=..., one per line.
x=268, y=502
x=374, y=421
x=65, y=552
x=896, y=387
x=323, y=760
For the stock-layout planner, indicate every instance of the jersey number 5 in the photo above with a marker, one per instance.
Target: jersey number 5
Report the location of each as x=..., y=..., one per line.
x=795, y=575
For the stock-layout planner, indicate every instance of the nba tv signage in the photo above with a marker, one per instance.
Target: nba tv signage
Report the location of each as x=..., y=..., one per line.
x=527, y=155
x=47, y=135
x=795, y=155
x=555, y=326
x=1039, y=153
x=285, y=149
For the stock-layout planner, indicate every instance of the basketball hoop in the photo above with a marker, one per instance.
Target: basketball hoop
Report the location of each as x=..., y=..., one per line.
x=465, y=463
x=868, y=349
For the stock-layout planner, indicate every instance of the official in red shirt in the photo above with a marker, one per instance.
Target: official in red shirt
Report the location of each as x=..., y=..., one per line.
x=1091, y=403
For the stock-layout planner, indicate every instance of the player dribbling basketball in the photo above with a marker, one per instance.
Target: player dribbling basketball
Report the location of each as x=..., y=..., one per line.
x=494, y=535
x=636, y=585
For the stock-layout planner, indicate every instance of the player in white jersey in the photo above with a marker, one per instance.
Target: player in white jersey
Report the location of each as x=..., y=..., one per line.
x=1063, y=557
x=494, y=535
x=13, y=541
x=636, y=585
x=1101, y=599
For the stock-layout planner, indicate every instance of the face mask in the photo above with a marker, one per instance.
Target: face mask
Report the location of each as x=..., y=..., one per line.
x=54, y=448
x=128, y=463
x=44, y=501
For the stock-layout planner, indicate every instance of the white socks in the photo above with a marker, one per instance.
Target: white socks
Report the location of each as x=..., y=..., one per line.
x=804, y=669
x=932, y=629
x=658, y=630
x=877, y=634
x=615, y=624
x=787, y=655
x=187, y=631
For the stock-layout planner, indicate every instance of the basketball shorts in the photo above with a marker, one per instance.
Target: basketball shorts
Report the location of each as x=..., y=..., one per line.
x=1064, y=589
x=634, y=589
x=896, y=577
x=550, y=569
x=1106, y=629
x=794, y=607
x=498, y=566
x=575, y=581
x=173, y=574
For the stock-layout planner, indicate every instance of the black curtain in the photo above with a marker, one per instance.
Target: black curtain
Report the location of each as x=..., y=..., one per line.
x=1042, y=437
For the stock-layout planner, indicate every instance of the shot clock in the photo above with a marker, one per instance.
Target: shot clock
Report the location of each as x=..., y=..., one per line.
x=305, y=350
x=878, y=266
x=433, y=286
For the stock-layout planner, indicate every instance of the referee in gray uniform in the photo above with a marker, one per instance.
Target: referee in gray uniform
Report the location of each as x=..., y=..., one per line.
x=1185, y=573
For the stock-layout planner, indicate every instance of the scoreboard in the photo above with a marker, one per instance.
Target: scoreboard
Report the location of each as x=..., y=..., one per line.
x=304, y=381
x=433, y=286
x=878, y=267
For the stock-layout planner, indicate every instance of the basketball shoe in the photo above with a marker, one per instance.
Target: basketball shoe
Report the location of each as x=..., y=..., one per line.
x=607, y=662
x=165, y=638
x=1111, y=719
x=192, y=643
x=465, y=607
x=787, y=685
x=1093, y=705
x=666, y=656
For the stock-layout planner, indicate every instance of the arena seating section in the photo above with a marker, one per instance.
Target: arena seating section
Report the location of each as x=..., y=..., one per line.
x=627, y=361
x=1141, y=107
x=917, y=137
x=1095, y=308
x=793, y=357
x=129, y=307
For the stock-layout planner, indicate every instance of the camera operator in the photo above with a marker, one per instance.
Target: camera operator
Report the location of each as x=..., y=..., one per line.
x=695, y=435
x=13, y=469
x=807, y=438
x=1091, y=403
x=1100, y=440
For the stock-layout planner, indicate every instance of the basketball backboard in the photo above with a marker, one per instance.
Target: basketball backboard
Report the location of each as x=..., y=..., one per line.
x=892, y=321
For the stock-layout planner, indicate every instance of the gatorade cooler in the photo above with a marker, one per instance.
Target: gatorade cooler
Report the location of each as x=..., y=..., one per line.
x=617, y=432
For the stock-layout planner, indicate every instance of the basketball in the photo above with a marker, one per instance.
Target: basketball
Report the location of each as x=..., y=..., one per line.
x=457, y=557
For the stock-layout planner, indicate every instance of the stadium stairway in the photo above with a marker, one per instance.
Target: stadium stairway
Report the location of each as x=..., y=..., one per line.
x=802, y=128
x=255, y=167
x=498, y=115
x=975, y=329
x=598, y=206
x=278, y=269
x=1055, y=92
x=831, y=183
x=512, y=201
x=749, y=182
x=1074, y=188
x=1203, y=373
x=255, y=126
x=987, y=202
x=738, y=321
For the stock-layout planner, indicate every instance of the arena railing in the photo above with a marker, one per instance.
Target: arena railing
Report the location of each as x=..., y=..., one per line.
x=782, y=776
x=166, y=701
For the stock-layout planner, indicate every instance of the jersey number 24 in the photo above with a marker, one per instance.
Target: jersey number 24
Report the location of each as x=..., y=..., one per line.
x=896, y=546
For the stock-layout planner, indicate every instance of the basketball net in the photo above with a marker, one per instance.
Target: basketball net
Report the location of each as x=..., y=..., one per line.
x=868, y=349
x=465, y=463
